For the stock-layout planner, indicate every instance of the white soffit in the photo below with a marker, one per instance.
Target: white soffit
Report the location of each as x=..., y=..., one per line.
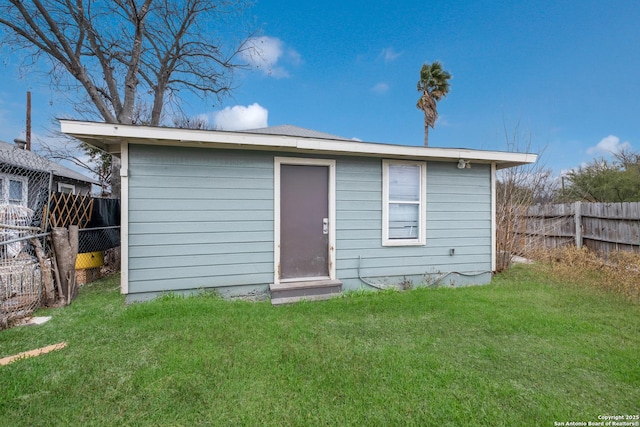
x=108, y=137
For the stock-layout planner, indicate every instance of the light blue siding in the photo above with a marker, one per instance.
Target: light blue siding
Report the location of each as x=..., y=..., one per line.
x=199, y=218
x=458, y=217
x=203, y=218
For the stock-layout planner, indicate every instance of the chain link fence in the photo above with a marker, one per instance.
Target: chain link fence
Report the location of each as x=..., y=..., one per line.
x=98, y=253
x=25, y=183
x=28, y=210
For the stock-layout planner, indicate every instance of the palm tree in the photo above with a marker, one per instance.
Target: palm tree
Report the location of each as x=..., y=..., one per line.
x=434, y=85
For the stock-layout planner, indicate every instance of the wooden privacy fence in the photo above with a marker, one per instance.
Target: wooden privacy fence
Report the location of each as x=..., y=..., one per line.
x=601, y=227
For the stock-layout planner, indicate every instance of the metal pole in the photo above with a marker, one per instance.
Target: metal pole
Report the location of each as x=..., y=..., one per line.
x=28, y=130
x=20, y=239
x=46, y=209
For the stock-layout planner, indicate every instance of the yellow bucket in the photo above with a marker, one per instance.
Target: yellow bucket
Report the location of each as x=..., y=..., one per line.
x=89, y=260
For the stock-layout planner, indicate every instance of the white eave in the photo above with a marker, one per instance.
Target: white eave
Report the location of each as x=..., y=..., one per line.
x=108, y=137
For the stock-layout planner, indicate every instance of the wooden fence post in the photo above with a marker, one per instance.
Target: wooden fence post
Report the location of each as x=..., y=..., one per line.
x=577, y=215
x=65, y=246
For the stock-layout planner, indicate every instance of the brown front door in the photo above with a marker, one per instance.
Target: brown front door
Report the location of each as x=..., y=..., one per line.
x=304, y=213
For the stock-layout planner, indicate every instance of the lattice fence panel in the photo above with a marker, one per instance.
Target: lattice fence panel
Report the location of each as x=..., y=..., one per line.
x=67, y=209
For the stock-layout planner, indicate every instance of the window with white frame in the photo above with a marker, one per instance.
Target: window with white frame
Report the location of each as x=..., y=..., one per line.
x=403, y=202
x=66, y=188
x=14, y=189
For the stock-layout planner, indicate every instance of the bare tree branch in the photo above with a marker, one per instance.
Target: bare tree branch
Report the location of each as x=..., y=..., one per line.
x=118, y=50
x=517, y=188
x=130, y=57
x=92, y=160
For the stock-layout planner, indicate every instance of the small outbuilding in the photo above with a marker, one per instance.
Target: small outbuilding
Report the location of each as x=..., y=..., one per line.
x=297, y=213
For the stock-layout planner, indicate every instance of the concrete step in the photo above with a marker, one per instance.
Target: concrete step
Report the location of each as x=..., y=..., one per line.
x=292, y=300
x=313, y=290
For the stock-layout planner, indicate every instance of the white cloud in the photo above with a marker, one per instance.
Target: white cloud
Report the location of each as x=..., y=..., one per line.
x=389, y=54
x=203, y=117
x=267, y=54
x=380, y=88
x=240, y=117
x=609, y=145
x=565, y=172
x=442, y=121
x=293, y=57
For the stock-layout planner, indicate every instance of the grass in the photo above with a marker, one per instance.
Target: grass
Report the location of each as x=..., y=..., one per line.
x=524, y=350
x=619, y=273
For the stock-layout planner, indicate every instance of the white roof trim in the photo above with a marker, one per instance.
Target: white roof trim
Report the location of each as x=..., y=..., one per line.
x=106, y=136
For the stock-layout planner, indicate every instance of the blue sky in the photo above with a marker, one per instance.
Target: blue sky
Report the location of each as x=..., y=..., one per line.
x=564, y=74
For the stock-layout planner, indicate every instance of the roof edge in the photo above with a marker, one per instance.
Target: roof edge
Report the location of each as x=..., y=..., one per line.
x=108, y=136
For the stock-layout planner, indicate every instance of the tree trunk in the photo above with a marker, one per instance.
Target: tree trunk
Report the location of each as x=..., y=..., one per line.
x=426, y=132
x=428, y=105
x=116, y=181
x=65, y=245
x=158, y=100
x=47, y=279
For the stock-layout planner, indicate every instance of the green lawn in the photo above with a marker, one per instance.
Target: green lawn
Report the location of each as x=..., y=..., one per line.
x=519, y=352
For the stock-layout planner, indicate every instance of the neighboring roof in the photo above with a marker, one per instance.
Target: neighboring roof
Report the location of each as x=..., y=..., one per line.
x=109, y=137
x=25, y=159
x=290, y=130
